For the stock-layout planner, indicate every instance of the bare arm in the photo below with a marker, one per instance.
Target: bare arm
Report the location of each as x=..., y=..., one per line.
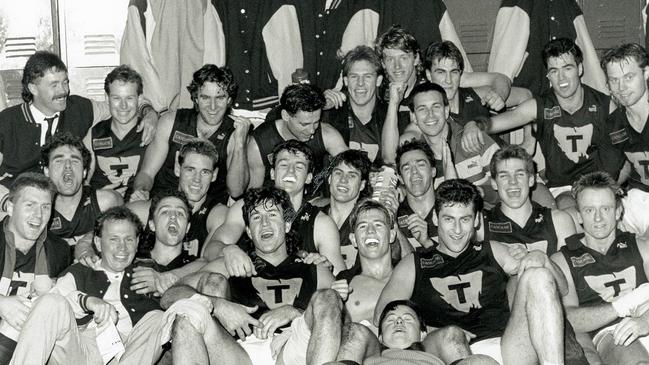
x=400, y=285
x=325, y=278
x=583, y=319
x=227, y=233
x=108, y=198
x=497, y=82
x=564, y=226
x=155, y=154
x=524, y=114
x=333, y=141
x=255, y=165
x=238, y=176
x=390, y=132
x=327, y=241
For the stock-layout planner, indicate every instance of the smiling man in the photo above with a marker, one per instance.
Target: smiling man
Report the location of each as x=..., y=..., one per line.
x=213, y=91
x=315, y=230
x=627, y=71
x=570, y=122
x=49, y=108
x=115, y=142
x=360, y=121
x=301, y=110
x=100, y=294
x=31, y=256
x=607, y=272
x=462, y=282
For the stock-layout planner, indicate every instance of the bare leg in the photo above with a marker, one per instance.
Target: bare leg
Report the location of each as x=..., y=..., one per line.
x=448, y=343
x=534, y=333
x=187, y=347
x=358, y=343
x=324, y=318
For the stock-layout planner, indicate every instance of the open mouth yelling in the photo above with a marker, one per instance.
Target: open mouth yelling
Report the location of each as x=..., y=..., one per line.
x=172, y=228
x=266, y=234
x=68, y=178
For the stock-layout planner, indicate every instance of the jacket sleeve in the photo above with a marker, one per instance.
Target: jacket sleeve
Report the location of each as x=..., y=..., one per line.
x=510, y=38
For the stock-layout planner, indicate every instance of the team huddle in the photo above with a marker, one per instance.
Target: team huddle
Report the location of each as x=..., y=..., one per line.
x=387, y=222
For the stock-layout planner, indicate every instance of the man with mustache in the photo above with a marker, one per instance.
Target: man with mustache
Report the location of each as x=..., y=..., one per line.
x=49, y=108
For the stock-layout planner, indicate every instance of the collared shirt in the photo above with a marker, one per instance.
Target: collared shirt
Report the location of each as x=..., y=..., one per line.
x=39, y=118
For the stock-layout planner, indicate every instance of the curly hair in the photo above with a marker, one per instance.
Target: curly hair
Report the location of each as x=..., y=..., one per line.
x=212, y=73
x=65, y=139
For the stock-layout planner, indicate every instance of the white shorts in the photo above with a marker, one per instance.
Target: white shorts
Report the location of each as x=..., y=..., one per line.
x=489, y=347
x=636, y=217
x=294, y=350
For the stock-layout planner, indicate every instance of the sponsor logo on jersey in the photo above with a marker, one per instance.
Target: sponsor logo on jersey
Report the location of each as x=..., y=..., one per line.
x=500, y=227
x=221, y=136
x=278, y=292
x=583, y=260
x=461, y=292
x=574, y=141
x=182, y=138
x=640, y=162
x=618, y=136
x=611, y=286
x=432, y=262
x=56, y=223
x=551, y=113
x=468, y=99
x=621, y=245
x=539, y=218
x=102, y=143
x=592, y=108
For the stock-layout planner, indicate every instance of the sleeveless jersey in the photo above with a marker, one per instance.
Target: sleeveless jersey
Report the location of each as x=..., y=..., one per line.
x=470, y=106
x=116, y=161
x=347, y=249
x=183, y=131
x=267, y=137
x=195, y=238
x=634, y=144
x=538, y=233
x=289, y=283
x=403, y=212
x=83, y=220
x=570, y=141
x=601, y=278
x=302, y=230
x=468, y=291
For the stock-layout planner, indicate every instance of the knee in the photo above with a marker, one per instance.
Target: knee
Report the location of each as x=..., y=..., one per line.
x=182, y=326
x=452, y=335
x=326, y=301
x=51, y=303
x=538, y=280
x=213, y=284
x=353, y=331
